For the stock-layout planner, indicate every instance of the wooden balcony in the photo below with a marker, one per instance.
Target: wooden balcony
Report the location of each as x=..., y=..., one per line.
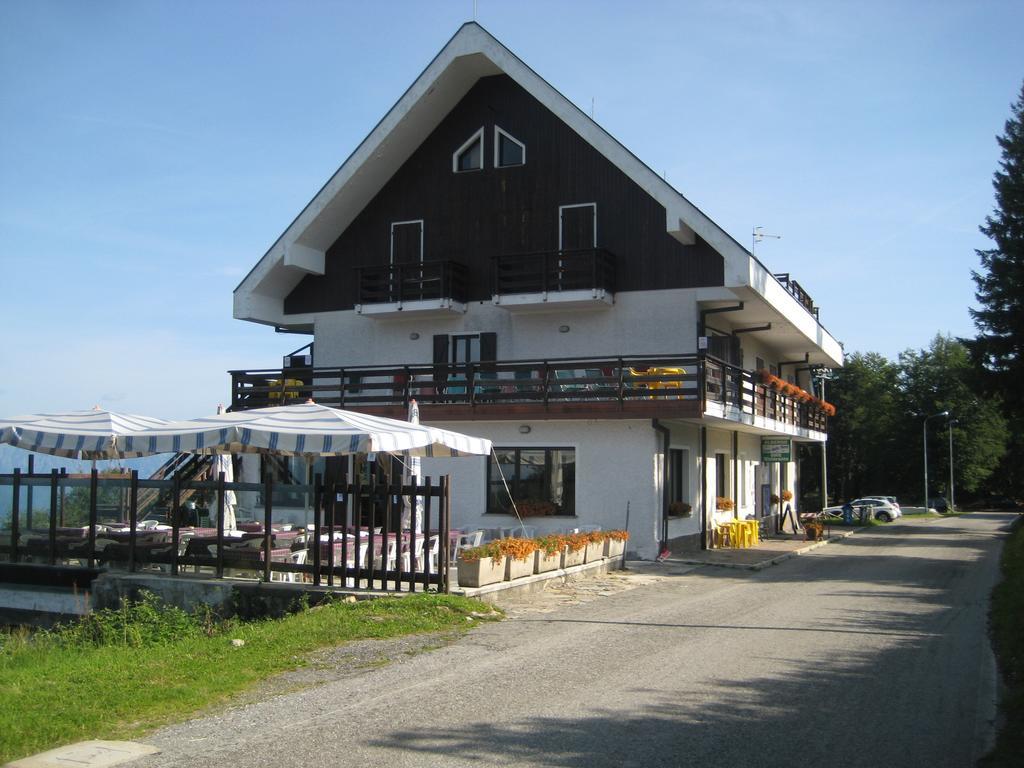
x=668, y=386
x=414, y=288
x=566, y=278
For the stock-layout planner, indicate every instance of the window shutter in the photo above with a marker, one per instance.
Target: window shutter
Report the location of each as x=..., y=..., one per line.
x=488, y=347
x=440, y=358
x=441, y=349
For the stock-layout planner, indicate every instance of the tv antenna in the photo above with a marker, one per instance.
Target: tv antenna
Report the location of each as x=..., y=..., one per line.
x=759, y=235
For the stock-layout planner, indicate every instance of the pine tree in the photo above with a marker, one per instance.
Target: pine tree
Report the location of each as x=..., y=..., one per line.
x=1000, y=320
x=999, y=346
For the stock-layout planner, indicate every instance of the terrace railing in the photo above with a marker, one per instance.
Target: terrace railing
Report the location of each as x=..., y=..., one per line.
x=741, y=390
x=575, y=384
x=590, y=269
x=355, y=541
x=797, y=292
x=417, y=281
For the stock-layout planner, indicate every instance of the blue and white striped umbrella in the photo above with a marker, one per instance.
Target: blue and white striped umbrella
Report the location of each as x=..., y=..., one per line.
x=91, y=434
x=302, y=430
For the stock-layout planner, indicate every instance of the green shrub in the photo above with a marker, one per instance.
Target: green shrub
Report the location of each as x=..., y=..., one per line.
x=138, y=623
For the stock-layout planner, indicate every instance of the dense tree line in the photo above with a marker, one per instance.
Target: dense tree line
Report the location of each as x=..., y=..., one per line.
x=876, y=438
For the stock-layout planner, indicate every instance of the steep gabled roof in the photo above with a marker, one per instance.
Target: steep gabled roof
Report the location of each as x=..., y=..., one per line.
x=471, y=54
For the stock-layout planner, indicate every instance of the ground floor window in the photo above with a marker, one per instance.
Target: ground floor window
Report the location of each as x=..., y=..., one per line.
x=678, y=475
x=721, y=477
x=542, y=481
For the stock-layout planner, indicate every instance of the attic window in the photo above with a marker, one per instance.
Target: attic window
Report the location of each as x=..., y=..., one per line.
x=470, y=156
x=508, y=151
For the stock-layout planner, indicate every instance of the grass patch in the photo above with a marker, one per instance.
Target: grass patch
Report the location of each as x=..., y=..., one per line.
x=121, y=673
x=1006, y=621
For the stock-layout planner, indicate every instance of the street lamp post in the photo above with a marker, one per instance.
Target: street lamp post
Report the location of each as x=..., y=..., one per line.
x=950, y=423
x=927, y=419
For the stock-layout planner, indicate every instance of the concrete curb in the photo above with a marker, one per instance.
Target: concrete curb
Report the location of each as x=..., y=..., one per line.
x=760, y=566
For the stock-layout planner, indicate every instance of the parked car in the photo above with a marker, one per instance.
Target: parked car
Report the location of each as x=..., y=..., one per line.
x=881, y=509
x=890, y=499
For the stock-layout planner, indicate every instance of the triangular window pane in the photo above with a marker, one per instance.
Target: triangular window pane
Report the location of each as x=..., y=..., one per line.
x=471, y=156
x=510, y=151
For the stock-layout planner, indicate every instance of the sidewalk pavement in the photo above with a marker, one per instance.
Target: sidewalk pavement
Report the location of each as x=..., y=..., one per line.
x=769, y=552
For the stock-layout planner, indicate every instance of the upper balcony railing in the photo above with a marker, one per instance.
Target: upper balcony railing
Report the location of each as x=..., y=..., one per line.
x=416, y=281
x=590, y=269
x=680, y=385
x=797, y=292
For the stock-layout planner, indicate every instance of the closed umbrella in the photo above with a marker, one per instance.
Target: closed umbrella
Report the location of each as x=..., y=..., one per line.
x=223, y=464
x=412, y=515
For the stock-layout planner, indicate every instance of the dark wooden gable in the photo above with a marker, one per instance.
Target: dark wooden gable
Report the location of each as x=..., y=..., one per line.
x=471, y=216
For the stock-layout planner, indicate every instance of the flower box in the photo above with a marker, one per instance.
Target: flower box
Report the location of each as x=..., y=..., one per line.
x=482, y=572
x=614, y=547
x=570, y=558
x=595, y=551
x=516, y=569
x=543, y=562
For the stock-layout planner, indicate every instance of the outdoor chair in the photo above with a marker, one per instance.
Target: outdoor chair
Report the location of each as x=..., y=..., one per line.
x=466, y=541
x=429, y=555
x=298, y=557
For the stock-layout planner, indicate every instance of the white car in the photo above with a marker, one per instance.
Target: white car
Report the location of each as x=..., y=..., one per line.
x=881, y=509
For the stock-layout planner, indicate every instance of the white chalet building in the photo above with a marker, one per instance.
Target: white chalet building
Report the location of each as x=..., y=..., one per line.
x=492, y=252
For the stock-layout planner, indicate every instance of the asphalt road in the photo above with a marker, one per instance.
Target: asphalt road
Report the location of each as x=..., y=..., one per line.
x=868, y=652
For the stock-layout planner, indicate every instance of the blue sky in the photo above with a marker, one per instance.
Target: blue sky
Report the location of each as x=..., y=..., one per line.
x=152, y=151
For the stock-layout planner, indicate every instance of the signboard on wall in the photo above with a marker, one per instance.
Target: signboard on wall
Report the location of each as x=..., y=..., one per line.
x=776, y=449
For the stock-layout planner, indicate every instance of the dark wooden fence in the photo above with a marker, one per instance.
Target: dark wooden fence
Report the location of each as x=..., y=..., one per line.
x=356, y=540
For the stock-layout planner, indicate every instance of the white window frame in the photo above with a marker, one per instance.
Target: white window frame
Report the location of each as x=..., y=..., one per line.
x=479, y=134
x=498, y=132
x=562, y=208
x=391, y=245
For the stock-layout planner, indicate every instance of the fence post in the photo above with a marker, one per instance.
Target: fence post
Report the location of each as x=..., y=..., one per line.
x=316, y=531
x=442, y=550
x=94, y=489
x=133, y=517
x=53, y=517
x=175, y=517
x=267, y=517
x=329, y=503
x=28, y=492
x=220, y=522
x=15, y=503
x=446, y=528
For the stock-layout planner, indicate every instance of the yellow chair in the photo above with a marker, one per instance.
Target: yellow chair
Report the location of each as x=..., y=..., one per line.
x=287, y=389
x=723, y=535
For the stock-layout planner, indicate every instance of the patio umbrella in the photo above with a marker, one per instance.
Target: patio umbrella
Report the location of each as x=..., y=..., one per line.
x=94, y=434
x=306, y=430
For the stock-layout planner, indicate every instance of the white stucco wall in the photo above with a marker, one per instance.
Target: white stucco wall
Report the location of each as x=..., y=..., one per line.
x=639, y=323
x=617, y=463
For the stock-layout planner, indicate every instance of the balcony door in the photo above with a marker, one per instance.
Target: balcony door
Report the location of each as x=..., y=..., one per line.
x=577, y=227
x=577, y=231
x=406, y=259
